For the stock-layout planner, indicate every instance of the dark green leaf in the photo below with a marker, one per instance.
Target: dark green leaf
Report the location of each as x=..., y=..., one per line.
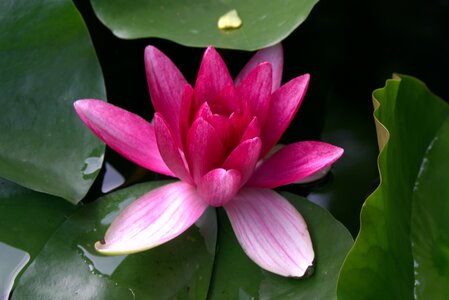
x=27, y=220
x=194, y=23
x=237, y=277
x=430, y=213
x=47, y=62
x=401, y=251
x=180, y=268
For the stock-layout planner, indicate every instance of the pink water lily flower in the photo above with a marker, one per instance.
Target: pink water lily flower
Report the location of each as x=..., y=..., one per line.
x=215, y=138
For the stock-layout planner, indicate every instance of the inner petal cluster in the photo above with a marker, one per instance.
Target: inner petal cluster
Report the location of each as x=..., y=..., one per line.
x=221, y=145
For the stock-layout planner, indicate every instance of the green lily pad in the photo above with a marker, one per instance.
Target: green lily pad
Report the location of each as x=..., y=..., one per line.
x=401, y=251
x=195, y=23
x=237, y=277
x=27, y=221
x=180, y=268
x=47, y=62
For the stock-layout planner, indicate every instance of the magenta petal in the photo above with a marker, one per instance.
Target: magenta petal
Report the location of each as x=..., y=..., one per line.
x=252, y=130
x=284, y=104
x=273, y=55
x=166, y=84
x=224, y=131
x=255, y=89
x=186, y=116
x=204, y=149
x=294, y=162
x=213, y=76
x=244, y=158
x=227, y=101
x=169, y=149
x=219, y=186
x=153, y=219
x=271, y=231
x=125, y=132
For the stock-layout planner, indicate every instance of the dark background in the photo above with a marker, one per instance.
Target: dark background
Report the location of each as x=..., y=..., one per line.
x=349, y=47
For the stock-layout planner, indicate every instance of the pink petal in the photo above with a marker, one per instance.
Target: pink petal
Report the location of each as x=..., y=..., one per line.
x=169, y=149
x=166, y=84
x=284, y=104
x=226, y=102
x=204, y=149
x=219, y=186
x=224, y=130
x=294, y=162
x=255, y=89
x=253, y=130
x=125, y=132
x=153, y=219
x=273, y=55
x=244, y=158
x=213, y=76
x=271, y=231
x=185, y=117
x=204, y=111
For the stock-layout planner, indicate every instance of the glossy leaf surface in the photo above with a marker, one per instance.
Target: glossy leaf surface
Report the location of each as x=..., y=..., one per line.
x=27, y=221
x=47, y=62
x=237, y=277
x=402, y=248
x=180, y=268
x=195, y=23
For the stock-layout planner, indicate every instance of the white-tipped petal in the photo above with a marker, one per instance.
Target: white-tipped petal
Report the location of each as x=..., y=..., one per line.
x=153, y=219
x=271, y=231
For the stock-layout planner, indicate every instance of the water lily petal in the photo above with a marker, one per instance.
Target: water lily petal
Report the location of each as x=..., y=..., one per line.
x=224, y=130
x=244, y=157
x=255, y=89
x=169, y=149
x=271, y=231
x=284, y=104
x=123, y=131
x=166, y=85
x=294, y=162
x=186, y=117
x=153, y=219
x=204, y=149
x=219, y=186
x=273, y=55
x=213, y=76
x=227, y=101
x=252, y=130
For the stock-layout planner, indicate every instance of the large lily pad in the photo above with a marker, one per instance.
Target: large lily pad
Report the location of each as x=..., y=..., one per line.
x=180, y=268
x=47, y=62
x=27, y=220
x=194, y=23
x=237, y=277
x=402, y=249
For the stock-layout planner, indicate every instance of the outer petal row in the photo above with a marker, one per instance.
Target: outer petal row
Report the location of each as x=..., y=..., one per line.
x=125, y=132
x=271, y=231
x=166, y=85
x=294, y=162
x=153, y=219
